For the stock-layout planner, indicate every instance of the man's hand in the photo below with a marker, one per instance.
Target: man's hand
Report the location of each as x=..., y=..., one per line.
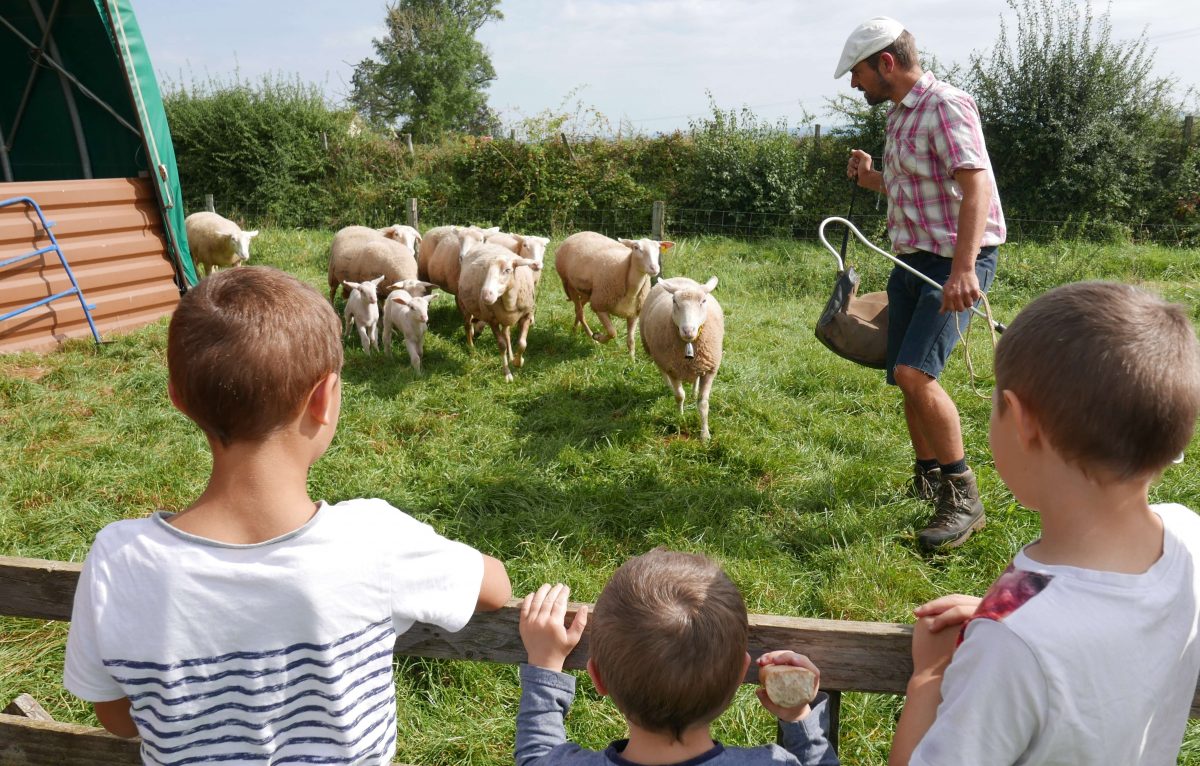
x=547, y=640
x=784, y=657
x=948, y=611
x=859, y=169
x=961, y=290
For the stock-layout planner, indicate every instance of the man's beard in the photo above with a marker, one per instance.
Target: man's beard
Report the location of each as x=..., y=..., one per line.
x=873, y=99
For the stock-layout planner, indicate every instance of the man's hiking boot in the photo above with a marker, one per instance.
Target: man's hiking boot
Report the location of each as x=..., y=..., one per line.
x=957, y=513
x=925, y=483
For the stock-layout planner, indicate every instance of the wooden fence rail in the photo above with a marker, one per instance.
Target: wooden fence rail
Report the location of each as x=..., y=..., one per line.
x=853, y=656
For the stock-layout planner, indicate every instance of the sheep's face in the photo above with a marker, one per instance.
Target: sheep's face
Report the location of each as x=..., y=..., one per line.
x=241, y=243
x=689, y=307
x=534, y=248
x=405, y=235
x=471, y=236
x=500, y=277
x=647, y=251
x=417, y=305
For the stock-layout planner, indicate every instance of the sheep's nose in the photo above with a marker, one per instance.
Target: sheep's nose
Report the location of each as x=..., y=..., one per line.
x=688, y=333
x=489, y=296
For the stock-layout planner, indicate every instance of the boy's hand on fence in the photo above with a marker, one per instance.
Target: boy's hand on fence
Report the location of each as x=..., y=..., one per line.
x=784, y=657
x=547, y=639
x=948, y=611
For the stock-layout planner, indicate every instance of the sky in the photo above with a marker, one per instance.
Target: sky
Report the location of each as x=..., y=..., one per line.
x=649, y=65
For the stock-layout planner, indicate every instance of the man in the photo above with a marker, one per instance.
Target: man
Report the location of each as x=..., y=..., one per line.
x=944, y=220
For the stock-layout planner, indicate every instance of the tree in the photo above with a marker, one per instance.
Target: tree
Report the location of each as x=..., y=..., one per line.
x=1074, y=120
x=430, y=73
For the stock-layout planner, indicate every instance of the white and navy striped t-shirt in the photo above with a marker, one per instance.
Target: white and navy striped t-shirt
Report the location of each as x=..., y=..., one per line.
x=273, y=653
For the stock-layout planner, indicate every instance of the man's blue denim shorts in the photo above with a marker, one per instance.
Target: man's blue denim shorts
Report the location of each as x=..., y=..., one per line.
x=919, y=335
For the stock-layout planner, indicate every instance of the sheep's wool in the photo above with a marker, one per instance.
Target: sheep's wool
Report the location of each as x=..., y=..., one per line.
x=279, y=651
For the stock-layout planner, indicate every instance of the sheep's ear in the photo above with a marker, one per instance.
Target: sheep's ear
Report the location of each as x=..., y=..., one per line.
x=351, y=285
x=665, y=245
x=628, y=243
x=429, y=286
x=377, y=280
x=531, y=263
x=669, y=287
x=491, y=231
x=710, y=285
x=252, y=234
x=401, y=297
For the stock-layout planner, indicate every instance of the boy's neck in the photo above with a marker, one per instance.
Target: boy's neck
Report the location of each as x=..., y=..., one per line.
x=257, y=491
x=653, y=748
x=1105, y=527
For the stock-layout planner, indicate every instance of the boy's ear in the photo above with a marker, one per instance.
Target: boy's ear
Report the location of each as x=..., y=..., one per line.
x=1029, y=431
x=323, y=401
x=173, y=395
x=597, y=681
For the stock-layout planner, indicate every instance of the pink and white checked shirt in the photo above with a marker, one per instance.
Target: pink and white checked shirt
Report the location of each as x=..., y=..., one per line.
x=931, y=133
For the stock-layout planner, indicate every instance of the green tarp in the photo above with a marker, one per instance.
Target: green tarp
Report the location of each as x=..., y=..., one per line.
x=79, y=99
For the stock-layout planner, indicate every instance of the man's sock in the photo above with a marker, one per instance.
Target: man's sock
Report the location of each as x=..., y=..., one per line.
x=927, y=465
x=957, y=467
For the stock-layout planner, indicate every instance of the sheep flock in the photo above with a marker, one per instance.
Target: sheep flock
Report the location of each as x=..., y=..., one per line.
x=389, y=276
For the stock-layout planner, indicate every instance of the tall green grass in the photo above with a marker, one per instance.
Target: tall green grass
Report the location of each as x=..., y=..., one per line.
x=578, y=464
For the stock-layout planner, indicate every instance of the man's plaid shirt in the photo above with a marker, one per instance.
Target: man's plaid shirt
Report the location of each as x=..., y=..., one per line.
x=931, y=133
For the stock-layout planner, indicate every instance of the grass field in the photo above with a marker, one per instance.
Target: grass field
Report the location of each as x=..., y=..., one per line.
x=578, y=464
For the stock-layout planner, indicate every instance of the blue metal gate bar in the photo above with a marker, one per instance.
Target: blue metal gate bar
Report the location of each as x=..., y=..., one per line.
x=52, y=247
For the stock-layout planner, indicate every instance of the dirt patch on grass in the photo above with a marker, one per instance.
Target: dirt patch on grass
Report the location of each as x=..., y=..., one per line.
x=26, y=372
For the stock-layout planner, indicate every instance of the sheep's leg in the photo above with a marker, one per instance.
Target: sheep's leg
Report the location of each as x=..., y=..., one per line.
x=609, y=333
x=705, y=386
x=676, y=387
x=468, y=322
x=508, y=342
x=366, y=339
x=373, y=334
x=501, y=341
x=630, y=328
x=332, y=292
x=348, y=322
x=387, y=337
x=523, y=326
x=414, y=354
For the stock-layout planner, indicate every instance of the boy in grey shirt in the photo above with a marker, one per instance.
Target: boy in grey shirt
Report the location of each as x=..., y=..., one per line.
x=669, y=644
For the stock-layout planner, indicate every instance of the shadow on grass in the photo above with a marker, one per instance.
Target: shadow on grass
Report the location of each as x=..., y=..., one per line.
x=586, y=417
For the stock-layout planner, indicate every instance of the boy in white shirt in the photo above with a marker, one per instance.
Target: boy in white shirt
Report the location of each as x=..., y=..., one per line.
x=1087, y=649
x=257, y=626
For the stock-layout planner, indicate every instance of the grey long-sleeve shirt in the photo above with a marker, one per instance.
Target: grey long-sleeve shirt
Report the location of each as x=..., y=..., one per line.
x=546, y=697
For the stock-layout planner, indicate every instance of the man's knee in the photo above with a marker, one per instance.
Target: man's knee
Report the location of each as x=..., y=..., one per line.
x=910, y=379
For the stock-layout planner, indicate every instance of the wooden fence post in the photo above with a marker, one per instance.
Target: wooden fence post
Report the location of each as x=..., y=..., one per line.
x=408, y=142
x=566, y=143
x=817, y=137
x=1189, y=123
x=412, y=212
x=658, y=215
x=208, y=203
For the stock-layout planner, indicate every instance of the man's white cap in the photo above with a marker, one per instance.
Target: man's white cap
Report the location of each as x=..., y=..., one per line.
x=871, y=36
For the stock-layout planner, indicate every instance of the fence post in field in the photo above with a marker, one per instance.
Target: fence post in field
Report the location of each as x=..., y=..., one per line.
x=412, y=212
x=817, y=137
x=658, y=215
x=408, y=142
x=1189, y=123
x=208, y=203
x=566, y=143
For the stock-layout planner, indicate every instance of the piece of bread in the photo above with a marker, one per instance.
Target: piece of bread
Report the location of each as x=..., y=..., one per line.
x=788, y=685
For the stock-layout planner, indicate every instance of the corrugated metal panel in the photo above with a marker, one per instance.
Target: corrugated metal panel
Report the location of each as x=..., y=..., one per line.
x=112, y=235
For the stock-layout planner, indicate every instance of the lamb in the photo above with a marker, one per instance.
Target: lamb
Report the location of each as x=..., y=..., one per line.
x=410, y=314
x=612, y=275
x=362, y=311
x=442, y=251
x=683, y=327
x=357, y=252
x=498, y=287
x=216, y=241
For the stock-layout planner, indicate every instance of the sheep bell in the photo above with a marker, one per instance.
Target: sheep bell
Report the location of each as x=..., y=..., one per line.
x=689, y=351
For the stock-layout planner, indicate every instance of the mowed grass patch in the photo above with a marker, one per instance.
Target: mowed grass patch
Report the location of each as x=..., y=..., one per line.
x=580, y=463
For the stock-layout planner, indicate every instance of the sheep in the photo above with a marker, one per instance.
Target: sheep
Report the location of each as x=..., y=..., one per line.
x=498, y=287
x=413, y=287
x=410, y=314
x=405, y=235
x=612, y=275
x=216, y=241
x=362, y=311
x=442, y=251
x=357, y=252
x=683, y=327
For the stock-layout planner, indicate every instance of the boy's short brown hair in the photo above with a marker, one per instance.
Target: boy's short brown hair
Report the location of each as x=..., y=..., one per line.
x=669, y=637
x=245, y=348
x=1111, y=372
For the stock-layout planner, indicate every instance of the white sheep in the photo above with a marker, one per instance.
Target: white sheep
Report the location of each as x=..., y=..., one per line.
x=414, y=287
x=216, y=241
x=612, y=275
x=405, y=235
x=358, y=252
x=442, y=251
x=410, y=315
x=683, y=328
x=362, y=311
x=498, y=287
